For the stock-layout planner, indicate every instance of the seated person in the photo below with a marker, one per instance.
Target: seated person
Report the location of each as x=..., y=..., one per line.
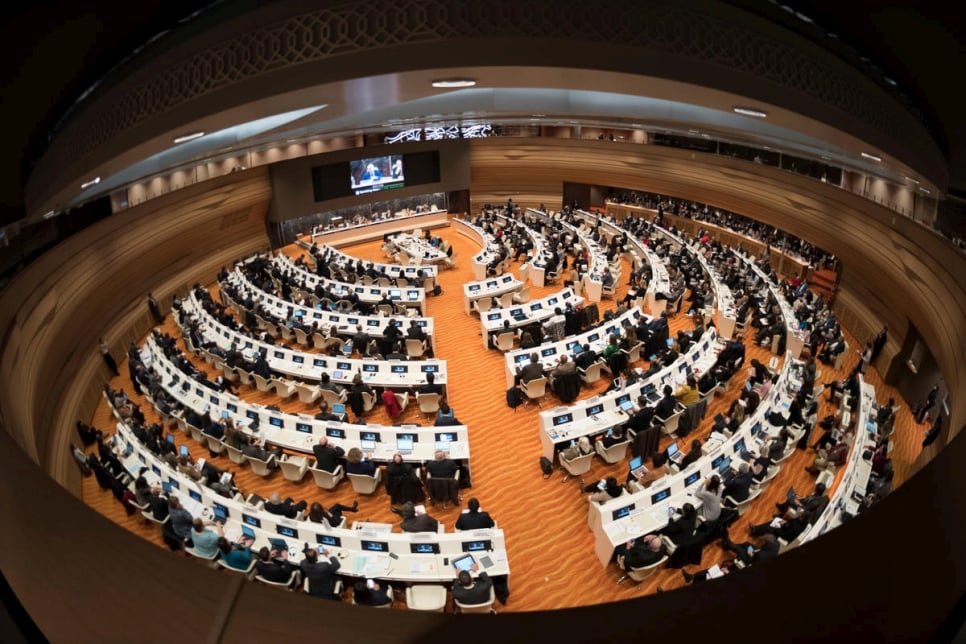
x=236, y=555
x=585, y=358
x=564, y=367
x=641, y=552
x=430, y=387
x=203, y=540
x=693, y=455
x=357, y=463
x=688, y=394
x=332, y=516
x=703, y=575
x=468, y=591
x=442, y=467
x=254, y=449
x=413, y=522
x=581, y=448
x=531, y=371
x=666, y=406
x=327, y=455
x=320, y=573
x=614, y=436
x=273, y=565
x=749, y=553
x=787, y=527
x=473, y=518
x=739, y=487
x=325, y=414
x=603, y=491
x=370, y=593
x=445, y=416
x=287, y=508
x=681, y=526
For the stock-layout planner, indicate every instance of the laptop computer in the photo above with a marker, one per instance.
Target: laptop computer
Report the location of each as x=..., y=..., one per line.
x=627, y=405
x=278, y=544
x=368, y=446
x=248, y=532
x=637, y=467
x=649, y=391
x=338, y=409
x=674, y=452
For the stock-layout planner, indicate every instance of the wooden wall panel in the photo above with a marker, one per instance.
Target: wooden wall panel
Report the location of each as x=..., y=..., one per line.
x=94, y=284
x=893, y=268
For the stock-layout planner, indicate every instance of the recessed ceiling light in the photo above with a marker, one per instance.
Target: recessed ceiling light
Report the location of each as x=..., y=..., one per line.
x=92, y=182
x=184, y=138
x=912, y=180
x=750, y=111
x=450, y=83
x=871, y=157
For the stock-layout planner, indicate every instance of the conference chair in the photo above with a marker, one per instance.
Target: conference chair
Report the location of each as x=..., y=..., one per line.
x=289, y=585
x=383, y=282
x=638, y=574
x=333, y=398
x=196, y=433
x=221, y=563
x=443, y=489
x=339, y=587
x=308, y=394
x=415, y=348
x=368, y=401
x=427, y=597
x=670, y=425
x=284, y=388
x=402, y=282
x=235, y=455
x=506, y=300
x=403, y=400
x=613, y=454
x=634, y=353
x=262, y=384
x=505, y=341
x=535, y=389
x=485, y=607
x=608, y=291
x=743, y=506
x=301, y=337
x=327, y=480
x=294, y=467
x=482, y=305
x=575, y=467
x=212, y=560
x=428, y=403
x=386, y=309
x=260, y=467
x=215, y=446
x=364, y=484
x=245, y=377
x=785, y=546
x=591, y=374
x=389, y=593
x=521, y=296
x=318, y=340
x=150, y=518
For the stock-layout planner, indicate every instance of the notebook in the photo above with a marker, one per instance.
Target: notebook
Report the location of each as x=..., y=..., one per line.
x=674, y=452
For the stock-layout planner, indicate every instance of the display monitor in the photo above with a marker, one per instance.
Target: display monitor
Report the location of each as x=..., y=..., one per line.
x=286, y=531
x=481, y=545
x=328, y=540
x=418, y=548
x=376, y=173
x=305, y=428
x=374, y=546
x=563, y=419
x=660, y=496
x=248, y=519
x=620, y=513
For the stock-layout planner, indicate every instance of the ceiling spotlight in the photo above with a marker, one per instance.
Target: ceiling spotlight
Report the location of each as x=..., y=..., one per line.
x=925, y=191
x=92, y=182
x=184, y=138
x=912, y=180
x=49, y=214
x=451, y=83
x=750, y=111
x=826, y=158
x=871, y=157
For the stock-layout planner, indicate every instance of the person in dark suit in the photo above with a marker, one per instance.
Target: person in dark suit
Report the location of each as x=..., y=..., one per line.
x=693, y=455
x=531, y=371
x=287, y=508
x=469, y=592
x=415, y=332
x=412, y=522
x=739, y=487
x=749, y=553
x=473, y=519
x=261, y=366
x=320, y=573
x=681, y=528
x=586, y=358
x=642, y=552
x=666, y=405
x=357, y=463
x=327, y=456
x=363, y=595
x=273, y=565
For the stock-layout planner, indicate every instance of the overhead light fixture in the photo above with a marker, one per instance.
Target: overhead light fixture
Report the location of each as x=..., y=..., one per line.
x=49, y=214
x=452, y=83
x=92, y=182
x=870, y=157
x=539, y=116
x=912, y=180
x=184, y=138
x=925, y=191
x=826, y=158
x=226, y=149
x=750, y=111
x=692, y=131
x=637, y=125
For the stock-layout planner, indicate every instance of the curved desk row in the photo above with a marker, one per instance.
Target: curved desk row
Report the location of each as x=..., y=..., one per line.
x=372, y=294
x=331, y=322
x=309, y=366
x=378, y=229
x=372, y=551
x=301, y=432
x=341, y=260
x=520, y=315
x=632, y=515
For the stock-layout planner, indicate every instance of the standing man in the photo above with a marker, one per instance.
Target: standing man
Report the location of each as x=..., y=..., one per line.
x=108, y=358
x=879, y=342
x=929, y=404
x=155, y=309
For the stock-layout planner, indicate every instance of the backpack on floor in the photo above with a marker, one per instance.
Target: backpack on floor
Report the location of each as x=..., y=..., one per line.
x=546, y=465
x=514, y=397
